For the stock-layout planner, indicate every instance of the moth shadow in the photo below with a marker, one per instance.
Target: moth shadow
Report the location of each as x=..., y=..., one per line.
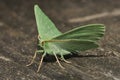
x=74, y=55
x=51, y=58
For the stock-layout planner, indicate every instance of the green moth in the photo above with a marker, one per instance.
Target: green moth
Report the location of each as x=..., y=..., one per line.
x=54, y=42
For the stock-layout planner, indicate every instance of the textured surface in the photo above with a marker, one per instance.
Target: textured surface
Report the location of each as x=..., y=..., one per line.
x=18, y=39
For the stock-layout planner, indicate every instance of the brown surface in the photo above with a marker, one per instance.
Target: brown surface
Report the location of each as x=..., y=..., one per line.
x=18, y=40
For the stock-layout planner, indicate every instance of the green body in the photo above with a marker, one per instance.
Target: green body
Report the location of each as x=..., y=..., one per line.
x=54, y=42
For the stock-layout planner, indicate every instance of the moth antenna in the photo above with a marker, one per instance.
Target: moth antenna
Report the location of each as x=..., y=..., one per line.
x=32, y=59
x=41, y=61
x=62, y=57
x=58, y=61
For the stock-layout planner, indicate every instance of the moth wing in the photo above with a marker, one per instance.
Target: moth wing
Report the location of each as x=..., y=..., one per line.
x=81, y=38
x=91, y=32
x=75, y=44
x=45, y=26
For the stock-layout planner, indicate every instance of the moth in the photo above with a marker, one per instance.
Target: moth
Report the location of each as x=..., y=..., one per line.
x=54, y=42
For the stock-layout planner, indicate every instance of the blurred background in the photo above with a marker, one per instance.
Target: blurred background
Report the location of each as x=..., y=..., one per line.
x=18, y=39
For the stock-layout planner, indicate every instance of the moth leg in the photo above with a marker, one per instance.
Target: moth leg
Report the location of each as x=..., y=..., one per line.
x=62, y=57
x=38, y=37
x=41, y=61
x=58, y=61
x=35, y=54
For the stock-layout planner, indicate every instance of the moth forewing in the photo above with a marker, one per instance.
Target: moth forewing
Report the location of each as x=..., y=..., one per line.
x=46, y=28
x=92, y=32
